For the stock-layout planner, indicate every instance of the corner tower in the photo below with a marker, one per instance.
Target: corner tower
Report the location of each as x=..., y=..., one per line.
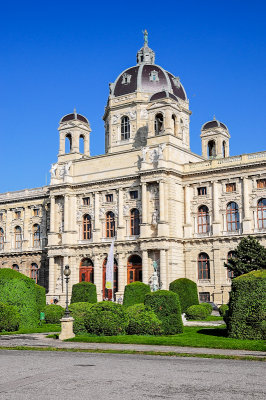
x=215, y=139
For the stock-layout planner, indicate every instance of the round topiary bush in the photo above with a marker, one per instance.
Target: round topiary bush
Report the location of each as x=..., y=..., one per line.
x=135, y=293
x=9, y=318
x=187, y=292
x=208, y=307
x=106, y=318
x=143, y=321
x=79, y=313
x=167, y=307
x=198, y=312
x=84, y=292
x=18, y=290
x=53, y=313
x=223, y=311
x=247, y=311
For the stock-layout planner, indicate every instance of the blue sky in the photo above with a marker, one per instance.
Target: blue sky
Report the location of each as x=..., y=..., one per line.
x=62, y=54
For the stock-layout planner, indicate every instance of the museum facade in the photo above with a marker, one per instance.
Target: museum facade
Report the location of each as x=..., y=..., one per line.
x=148, y=192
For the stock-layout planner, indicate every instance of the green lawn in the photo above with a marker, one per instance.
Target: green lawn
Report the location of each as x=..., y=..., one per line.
x=39, y=329
x=209, y=318
x=191, y=337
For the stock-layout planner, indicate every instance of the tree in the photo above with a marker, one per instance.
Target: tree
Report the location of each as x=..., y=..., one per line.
x=249, y=255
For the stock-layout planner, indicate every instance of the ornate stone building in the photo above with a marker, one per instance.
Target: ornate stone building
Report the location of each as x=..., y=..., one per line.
x=159, y=200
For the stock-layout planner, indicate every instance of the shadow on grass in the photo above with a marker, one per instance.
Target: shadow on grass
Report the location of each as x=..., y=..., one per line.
x=221, y=332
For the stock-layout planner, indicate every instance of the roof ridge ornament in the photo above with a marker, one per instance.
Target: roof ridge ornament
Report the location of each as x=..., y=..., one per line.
x=145, y=34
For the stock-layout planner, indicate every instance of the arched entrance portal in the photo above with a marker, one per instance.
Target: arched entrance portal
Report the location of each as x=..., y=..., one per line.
x=107, y=293
x=86, y=271
x=134, y=269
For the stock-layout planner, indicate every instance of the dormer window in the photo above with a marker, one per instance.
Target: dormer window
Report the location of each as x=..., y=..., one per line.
x=154, y=76
x=176, y=82
x=126, y=78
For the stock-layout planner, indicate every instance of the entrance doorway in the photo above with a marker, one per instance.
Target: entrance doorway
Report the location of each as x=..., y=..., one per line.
x=86, y=270
x=134, y=269
x=107, y=293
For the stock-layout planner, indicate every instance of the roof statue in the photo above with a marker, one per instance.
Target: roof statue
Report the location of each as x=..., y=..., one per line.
x=145, y=33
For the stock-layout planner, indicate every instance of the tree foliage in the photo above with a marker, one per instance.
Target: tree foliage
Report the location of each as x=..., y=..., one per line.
x=249, y=256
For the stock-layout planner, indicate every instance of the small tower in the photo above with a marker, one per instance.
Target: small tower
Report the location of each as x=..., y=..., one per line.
x=73, y=130
x=215, y=139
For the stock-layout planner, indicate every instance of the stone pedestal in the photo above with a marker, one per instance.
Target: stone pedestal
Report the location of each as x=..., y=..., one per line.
x=66, y=328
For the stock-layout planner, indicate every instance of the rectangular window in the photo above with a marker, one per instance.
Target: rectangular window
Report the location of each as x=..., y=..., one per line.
x=204, y=297
x=134, y=194
x=202, y=191
x=109, y=198
x=261, y=183
x=230, y=187
x=86, y=201
x=36, y=212
x=17, y=214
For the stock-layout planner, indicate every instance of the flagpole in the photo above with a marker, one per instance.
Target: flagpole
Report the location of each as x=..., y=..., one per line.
x=110, y=269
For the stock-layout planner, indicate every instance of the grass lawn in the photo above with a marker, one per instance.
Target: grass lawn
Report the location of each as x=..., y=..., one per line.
x=39, y=329
x=191, y=337
x=209, y=318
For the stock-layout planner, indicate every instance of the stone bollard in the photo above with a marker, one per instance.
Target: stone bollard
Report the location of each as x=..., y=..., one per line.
x=66, y=328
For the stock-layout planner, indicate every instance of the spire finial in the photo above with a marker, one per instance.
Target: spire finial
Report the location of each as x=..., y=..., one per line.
x=75, y=112
x=214, y=118
x=145, y=34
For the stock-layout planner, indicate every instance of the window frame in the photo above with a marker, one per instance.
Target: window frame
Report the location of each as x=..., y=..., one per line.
x=36, y=236
x=125, y=128
x=203, y=267
x=230, y=254
x=230, y=187
x=34, y=272
x=232, y=217
x=202, y=189
x=133, y=194
x=203, y=219
x=134, y=222
x=86, y=201
x=18, y=237
x=2, y=238
x=261, y=213
x=261, y=183
x=109, y=225
x=87, y=227
x=109, y=198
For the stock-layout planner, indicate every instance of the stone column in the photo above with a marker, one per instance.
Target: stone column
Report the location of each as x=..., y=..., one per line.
x=247, y=220
x=163, y=279
x=145, y=267
x=144, y=209
x=216, y=218
x=162, y=201
x=120, y=214
x=96, y=234
x=122, y=274
x=52, y=214
x=66, y=208
x=51, y=276
x=187, y=202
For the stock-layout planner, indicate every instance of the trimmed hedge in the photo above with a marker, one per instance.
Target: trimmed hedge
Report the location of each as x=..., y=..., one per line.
x=142, y=321
x=198, y=312
x=40, y=297
x=84, y=292
x=247, y=306
x=79, y=312
x=135, y=293
x=167, y=307
x=53, y=313
x=18, y=290
x=9, y=318
x=208, y=307
x=106, y=318
x=187, y=292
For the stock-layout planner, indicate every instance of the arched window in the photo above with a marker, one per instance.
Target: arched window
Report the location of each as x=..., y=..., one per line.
x=18, y=237
x=203, y=266
x=36, y=235
x=223, y=148
x=232, y=217
x=125, y=128
x=134, y=222
x=134, y=269
x=203, y=219
x=174, y=124
x=15, y=267
x=2, y=238
x=231, y=254
x=261, y=210
x=81, y=144
x=86, y=227
x=211, y=149
x=110, y=224
x=68, y=143
x=86, y=270
x=158, y=124
x=107, y=293
x=34, y=272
